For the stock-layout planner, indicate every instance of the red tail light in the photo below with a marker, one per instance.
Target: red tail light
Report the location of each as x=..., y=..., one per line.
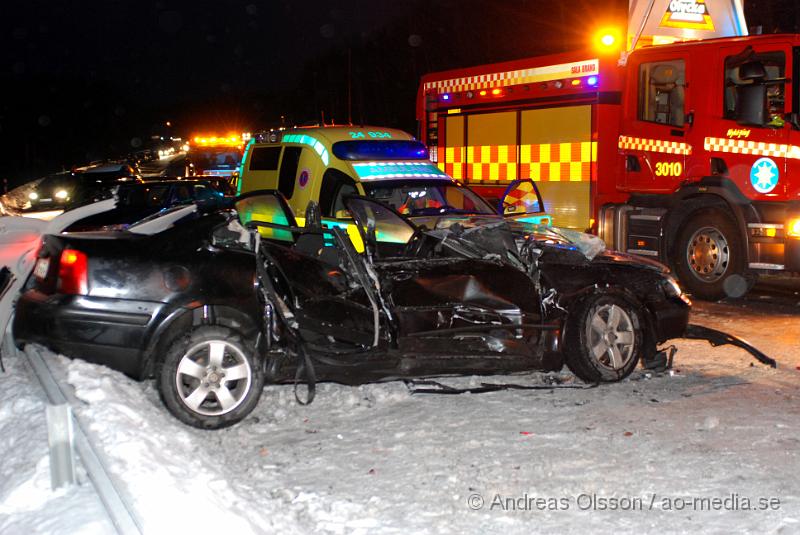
x=73, y=273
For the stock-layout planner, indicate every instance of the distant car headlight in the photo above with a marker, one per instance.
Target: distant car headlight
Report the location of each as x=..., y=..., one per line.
x=61, y=194
x=33, y=195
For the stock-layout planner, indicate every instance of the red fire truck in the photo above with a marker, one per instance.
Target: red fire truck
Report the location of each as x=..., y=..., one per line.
x=688, y=153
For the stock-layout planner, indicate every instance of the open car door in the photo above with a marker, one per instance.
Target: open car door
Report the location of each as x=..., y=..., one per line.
x=449, y=299
x=522, y=202
x=267, y=211
x=313, y=276
x=383, y=231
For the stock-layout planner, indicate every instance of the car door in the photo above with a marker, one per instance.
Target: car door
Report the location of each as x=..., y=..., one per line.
x=745, y=141
x=313, y=274
x=654, y=143
x=521, y=201
x=431, y=296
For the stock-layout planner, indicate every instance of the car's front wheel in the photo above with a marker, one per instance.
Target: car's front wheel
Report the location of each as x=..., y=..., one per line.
x=603, y=339
x=210, y=378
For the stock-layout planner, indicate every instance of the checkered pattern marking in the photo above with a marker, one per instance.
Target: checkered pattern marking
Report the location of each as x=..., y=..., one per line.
x=755, y=148
x=521, y=76
x=554, y=162
x=558, y=162
x=654, y=145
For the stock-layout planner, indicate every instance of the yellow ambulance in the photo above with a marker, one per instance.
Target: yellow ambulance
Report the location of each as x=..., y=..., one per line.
x=326, y=164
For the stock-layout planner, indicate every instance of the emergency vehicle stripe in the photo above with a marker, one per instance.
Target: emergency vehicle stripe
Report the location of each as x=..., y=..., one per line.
x=556, y=162
x=654, y=145
x=522, y=76
x=756, y=148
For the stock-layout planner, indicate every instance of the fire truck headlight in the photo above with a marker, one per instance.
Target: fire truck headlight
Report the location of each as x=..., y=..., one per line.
x=793, y=228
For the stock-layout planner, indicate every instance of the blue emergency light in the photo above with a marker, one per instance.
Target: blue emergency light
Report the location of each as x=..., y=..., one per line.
x=384, y=149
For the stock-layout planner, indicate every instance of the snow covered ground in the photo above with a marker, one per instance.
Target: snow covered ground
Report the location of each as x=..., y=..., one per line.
x=27, y=505
x=673, y=452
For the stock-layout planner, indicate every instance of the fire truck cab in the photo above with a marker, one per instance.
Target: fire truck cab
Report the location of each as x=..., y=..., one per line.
x=688, y=153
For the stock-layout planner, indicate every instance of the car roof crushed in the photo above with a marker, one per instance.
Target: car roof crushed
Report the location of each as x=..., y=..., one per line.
x=163, y=220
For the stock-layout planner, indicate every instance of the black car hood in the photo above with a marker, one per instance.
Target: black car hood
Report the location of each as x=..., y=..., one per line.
x=557, y=245
x=617, y=257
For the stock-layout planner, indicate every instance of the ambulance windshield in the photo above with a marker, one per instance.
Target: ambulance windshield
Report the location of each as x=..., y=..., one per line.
x=427, y=197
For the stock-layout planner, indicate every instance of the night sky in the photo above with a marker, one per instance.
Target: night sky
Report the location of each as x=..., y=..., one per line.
x=88, y=80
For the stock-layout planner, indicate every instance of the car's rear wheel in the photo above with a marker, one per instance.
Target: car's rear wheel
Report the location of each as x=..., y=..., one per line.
x=603, y=339
x=210, y=378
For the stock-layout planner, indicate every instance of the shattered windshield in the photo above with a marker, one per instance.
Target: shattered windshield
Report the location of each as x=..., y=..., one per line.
x=427, y=197
x=587, y=244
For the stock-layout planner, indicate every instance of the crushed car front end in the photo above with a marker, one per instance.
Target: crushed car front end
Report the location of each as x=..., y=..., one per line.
x=571, y=268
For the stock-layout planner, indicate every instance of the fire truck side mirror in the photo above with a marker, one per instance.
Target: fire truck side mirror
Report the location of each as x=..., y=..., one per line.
x=794, y=120
x=751, y=105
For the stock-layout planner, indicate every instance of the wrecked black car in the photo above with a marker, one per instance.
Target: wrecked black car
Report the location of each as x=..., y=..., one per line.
x=214, y=304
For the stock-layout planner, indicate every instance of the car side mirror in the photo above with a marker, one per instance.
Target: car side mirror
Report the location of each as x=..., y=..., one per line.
x=211, y=246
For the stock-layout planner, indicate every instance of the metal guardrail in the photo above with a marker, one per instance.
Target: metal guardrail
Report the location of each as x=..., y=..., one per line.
x=119, y=510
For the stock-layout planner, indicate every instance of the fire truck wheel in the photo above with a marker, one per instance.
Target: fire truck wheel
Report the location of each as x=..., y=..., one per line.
x=710, y=257
x=603, y=339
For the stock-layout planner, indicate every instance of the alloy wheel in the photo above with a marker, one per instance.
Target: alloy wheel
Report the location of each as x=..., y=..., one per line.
x=213, y=377
x=611, y=336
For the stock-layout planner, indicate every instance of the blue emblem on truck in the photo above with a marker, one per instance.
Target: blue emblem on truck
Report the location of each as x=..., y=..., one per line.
x=764, y=175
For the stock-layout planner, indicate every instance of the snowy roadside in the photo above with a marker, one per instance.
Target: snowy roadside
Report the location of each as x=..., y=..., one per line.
x=377, y=459
x=27, y=504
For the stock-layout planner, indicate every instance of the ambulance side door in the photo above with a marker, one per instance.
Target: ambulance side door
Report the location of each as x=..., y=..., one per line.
x=653, y=137
x=287, y=175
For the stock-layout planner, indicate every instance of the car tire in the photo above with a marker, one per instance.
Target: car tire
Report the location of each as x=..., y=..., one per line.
x=210, y=378
x=603, y=339
x=710, y=257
